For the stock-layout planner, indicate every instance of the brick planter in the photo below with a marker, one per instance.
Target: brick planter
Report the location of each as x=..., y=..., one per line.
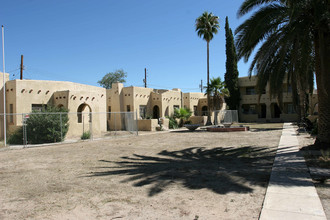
x=222, y=129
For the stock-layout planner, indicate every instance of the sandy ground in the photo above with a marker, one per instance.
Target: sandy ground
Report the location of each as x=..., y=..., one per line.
x=177, y=175
x=323, y=189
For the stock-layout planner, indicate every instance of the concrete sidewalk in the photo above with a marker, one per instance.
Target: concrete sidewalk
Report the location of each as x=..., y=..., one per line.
x=291, y=193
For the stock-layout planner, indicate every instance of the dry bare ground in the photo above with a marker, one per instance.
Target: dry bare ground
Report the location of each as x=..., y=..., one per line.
x=177, y=175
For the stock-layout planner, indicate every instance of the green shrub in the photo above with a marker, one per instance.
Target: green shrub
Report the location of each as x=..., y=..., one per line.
x=183, y=114
x=43, y=128
x=16, y=137
x=173, y=124
x=86, y=135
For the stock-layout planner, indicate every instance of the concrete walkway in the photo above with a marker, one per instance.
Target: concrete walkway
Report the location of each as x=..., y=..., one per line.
x=291, y=193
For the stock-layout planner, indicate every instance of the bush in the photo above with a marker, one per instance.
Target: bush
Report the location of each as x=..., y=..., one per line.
x=43, y=128
x=173, y=124
x=86, y=135
x=16, y=137
x=183, y=114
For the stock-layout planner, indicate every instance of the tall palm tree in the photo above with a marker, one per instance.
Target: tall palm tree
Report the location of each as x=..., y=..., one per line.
x=218, y=91
x=206, y=26
x=295, y=37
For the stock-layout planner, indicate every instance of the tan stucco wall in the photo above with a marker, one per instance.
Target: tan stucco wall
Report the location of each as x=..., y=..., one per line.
x=23, y=93
x=147, y=124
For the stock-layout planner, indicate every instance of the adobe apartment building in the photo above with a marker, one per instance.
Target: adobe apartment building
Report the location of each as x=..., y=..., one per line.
x=267, y=110
x=24, y=96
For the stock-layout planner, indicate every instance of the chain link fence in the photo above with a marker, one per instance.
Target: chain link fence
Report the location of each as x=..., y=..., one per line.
x=51, y=127
x=222, y=116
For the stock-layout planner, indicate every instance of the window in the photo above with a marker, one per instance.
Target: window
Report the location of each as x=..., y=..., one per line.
x=11, y=111
x=289, y=89
x=109, y=112
x=128, y=108
x=142, y=110
x=290, y=109
x=176, y=107
x=38, y=107
x=250, y=91
x=249, y=109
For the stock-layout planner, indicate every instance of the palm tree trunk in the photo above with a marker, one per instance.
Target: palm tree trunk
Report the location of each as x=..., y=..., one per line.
x=302, y=98
x=208, y=89
x=322, y=72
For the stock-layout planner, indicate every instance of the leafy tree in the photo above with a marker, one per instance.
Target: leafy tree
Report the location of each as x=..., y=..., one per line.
x=112, y=77
x=206, y=26
x=217, y=90
x=231, y=75
x=43, y=127
x=295, y=33
x=183, y=114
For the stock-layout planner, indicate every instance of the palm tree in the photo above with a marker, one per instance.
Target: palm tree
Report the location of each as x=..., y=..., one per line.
x=206, y=26
x=218, y=91
x=295, y=37
x=183, y=114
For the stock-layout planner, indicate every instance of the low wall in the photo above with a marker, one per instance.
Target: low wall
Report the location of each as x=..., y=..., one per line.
x=201, y=120
x=249, y=117
x=147, y=124
x=165, y=123
x=289, y=117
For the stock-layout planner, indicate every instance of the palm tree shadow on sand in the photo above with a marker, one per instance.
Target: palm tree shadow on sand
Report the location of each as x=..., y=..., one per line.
x=221, y=170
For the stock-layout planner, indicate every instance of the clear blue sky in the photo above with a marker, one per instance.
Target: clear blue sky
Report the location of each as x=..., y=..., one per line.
x=82, y=40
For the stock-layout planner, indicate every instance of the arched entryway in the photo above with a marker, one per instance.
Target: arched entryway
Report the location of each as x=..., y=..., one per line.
x=204, y=110
x=84, y=112
x=155, y=112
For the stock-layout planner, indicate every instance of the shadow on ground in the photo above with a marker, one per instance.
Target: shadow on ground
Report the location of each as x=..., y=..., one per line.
x=264, y=129
x=221, y=170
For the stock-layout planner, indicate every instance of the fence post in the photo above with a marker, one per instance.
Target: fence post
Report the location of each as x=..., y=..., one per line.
x=115, y=125
x=137, y=124
x=24, y=130
x=61, y=126
x=91, y=118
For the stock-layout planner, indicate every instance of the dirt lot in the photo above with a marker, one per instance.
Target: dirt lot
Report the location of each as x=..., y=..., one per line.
x=177, y=175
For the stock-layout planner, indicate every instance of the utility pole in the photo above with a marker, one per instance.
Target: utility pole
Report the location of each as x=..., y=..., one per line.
x=4, y=89
x=145, y=78
x=201, y=86
x=21, y=67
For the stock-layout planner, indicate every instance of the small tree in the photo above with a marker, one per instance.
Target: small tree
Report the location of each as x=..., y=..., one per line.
x=112, y=77
x=183, y=114
x=46, y=128
x=217, y=90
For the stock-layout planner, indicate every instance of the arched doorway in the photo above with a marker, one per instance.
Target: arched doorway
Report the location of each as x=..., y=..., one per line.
x=84, y=111
x=155, y=112
x=204, y=110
